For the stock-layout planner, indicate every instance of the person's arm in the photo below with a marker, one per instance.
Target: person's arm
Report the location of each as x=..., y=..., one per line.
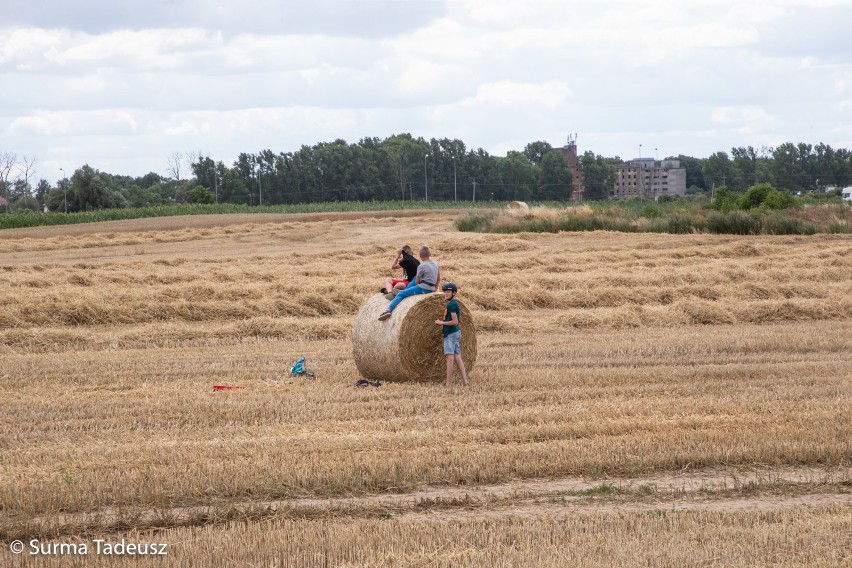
x=396, y=260
x=454, y=320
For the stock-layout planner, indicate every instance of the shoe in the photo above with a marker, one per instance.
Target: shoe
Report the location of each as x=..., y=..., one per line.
x=390, y=296
x=384, y=290
x=384, y=315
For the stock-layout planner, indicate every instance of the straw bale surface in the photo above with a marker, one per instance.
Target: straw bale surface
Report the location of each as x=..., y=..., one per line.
x=520, y=205
x=408, y=346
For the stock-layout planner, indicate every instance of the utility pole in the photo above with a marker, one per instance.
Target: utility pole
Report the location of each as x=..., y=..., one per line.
x=474, y=190
x=64, y=190
x=425, y=178
x=216, y=182
x=260, y=184
x=455, y=185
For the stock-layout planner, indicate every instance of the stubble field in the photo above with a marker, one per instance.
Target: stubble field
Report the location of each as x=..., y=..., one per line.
x=638, y=399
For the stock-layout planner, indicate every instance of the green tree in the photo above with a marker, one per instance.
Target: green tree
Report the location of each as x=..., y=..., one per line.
x=725, y=201
x=519, y=177
x=406, y=157
x=446, y=158
x=224, y=182
x=484, y=174
x=55, y=199
x=766, y=196
x=20, y=188
x=555, y=180
x=694, y=174
x=89, y=190
x=744, y=168
x=599, y=176
x=200, y=194
x=41, y=190
x=790, y=167
x=717, y=170
x=136, y=196
x=26, y=203
x=833, y=167
x=536, y=151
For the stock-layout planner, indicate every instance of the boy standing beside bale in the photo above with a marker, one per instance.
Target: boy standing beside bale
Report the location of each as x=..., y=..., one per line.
x=452, y=332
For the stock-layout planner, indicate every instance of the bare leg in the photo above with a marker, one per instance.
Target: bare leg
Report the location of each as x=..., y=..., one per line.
x=449, y=369
x=388, y=284
x=460, y=363
x=399, y=286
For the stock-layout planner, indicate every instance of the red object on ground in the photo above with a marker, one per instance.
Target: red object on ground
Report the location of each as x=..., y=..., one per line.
x=226, y=388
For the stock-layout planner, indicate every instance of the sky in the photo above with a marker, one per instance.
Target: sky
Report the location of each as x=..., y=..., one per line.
x=122, y=85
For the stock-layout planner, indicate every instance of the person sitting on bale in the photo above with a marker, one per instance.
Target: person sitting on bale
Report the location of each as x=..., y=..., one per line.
x=425, y=281
x=406, y=261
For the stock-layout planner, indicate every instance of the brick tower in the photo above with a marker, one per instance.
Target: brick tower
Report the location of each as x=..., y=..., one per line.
x=570, y=153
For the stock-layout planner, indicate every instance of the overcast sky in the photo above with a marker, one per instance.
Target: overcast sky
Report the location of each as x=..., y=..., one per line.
x=122, y=84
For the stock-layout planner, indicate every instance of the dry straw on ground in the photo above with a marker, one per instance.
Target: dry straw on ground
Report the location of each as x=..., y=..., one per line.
x=407, y=347
x=599, y=354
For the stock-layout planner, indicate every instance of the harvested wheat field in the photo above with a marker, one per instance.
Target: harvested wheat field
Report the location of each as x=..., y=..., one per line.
x=637, y=399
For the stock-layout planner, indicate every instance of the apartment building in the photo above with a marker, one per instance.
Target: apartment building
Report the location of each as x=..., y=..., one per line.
x=647, y=177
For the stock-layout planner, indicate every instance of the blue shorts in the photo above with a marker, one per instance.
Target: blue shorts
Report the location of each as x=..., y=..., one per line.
x=452, y=344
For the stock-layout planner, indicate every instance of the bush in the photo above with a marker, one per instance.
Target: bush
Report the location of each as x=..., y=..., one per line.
x=779, y=200
x=651, y=211
x=733, y=223
x=474, y=222
x=780, y=224
x=582, y=223
x=25, y=203
x=725, y=201
x=200, y=194
x=765, y=196
x=756, y=195
x=679, y=224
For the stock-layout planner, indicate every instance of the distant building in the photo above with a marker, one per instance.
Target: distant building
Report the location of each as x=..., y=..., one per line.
x=570, y=153
x=649, y=178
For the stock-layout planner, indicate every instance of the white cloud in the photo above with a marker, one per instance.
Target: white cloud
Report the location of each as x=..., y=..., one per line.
x=506, y=12
x=508, y=94
x=21, y=46
x=688, y=78
x=744, y=119
x=46, y=123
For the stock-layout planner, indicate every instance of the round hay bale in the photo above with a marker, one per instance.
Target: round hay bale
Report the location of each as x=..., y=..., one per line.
x=518, y=205
x=408, y=346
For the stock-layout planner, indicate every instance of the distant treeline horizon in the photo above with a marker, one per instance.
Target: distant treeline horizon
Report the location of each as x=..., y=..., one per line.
x=402, y=167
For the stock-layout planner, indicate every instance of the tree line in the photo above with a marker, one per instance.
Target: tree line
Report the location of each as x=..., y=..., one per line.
x=402, y=167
